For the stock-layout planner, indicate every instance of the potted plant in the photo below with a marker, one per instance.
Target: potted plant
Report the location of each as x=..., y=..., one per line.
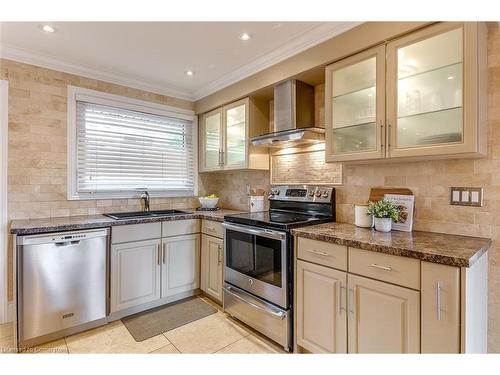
x=384, y=212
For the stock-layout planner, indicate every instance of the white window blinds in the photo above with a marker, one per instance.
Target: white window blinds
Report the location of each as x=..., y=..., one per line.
x=123, y=151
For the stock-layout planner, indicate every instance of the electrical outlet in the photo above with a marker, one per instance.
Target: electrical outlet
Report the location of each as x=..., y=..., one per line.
x=466, y=196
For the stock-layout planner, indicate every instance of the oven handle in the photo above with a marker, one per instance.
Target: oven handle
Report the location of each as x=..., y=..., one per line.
x=279, y=314
x=256, y=231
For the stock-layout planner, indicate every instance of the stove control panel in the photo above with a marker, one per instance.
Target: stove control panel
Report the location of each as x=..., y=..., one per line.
x=302, y=193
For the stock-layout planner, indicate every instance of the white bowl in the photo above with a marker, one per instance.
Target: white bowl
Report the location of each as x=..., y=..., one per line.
x=208, y=202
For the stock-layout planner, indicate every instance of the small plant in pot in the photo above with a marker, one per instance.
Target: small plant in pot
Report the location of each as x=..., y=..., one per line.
x=384, y=212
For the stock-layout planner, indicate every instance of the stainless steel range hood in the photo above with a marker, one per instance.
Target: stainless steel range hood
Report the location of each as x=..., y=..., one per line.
x=293, y=117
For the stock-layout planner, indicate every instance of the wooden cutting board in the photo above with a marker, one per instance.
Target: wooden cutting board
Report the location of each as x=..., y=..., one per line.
x=377, y=194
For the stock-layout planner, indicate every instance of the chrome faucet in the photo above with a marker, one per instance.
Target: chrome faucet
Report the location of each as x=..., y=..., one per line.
x=145, y=200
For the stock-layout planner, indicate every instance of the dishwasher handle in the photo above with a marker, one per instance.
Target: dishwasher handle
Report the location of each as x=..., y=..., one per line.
x=62, y=238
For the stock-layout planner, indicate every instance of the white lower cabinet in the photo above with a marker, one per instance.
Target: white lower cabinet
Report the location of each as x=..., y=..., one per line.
x=136, y=273
x=150, y=270
x=180, y=264
x=321, y=308
x=383, y=318
x=212, y=253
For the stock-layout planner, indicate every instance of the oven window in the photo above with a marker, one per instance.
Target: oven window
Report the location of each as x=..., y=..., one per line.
x=254, y=256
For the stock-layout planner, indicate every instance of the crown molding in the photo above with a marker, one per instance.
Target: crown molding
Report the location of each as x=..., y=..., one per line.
x=307, y=40
x=29, y=57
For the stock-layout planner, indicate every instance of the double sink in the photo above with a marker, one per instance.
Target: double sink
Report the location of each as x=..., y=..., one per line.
x=144, y=214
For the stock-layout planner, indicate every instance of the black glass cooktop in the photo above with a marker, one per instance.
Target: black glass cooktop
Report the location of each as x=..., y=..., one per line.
x=276, y=219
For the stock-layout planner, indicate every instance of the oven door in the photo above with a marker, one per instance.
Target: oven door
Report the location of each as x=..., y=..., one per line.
x=256, y=261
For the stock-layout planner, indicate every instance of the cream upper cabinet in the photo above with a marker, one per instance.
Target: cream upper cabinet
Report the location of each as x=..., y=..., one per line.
x=433, y=103
x=211, y=141
x=321, y=308
x=355, y=107
x=440, y=308
x=383, y=318
x=434, y=92
x=225, y=136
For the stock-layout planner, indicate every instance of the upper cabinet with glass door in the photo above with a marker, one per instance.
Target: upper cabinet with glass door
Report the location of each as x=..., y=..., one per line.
x=211, y=140
x=434, y=91
x=355, y=107
x=431, y=106
x=225, y=133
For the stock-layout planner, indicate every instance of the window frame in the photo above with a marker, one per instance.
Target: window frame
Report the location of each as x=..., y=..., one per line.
x=98, y=97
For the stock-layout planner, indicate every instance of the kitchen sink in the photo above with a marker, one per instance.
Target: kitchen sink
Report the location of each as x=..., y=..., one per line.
x=143, y=214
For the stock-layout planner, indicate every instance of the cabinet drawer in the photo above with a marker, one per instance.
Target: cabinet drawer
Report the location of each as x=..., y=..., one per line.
x=180, y=227
x=135, y=232
x=212, y=228
x=324, y=253
x=391, y=268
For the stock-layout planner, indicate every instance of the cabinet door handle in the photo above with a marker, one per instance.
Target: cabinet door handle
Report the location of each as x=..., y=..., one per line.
x=158, y=253
x=315, y=252
x=341, y=305
x=438, y=300
x=388, y=135
x=164, y=252
x=350, y=300
x=385, y=268
x=220, y=254
x=382, y=136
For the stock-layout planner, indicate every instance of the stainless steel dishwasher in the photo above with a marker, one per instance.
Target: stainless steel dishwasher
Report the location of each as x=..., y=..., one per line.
x=62, y=284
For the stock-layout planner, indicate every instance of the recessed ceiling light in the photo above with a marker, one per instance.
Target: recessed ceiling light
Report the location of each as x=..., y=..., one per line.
x=451, y=77
x=245, y=36
x=48, y=29
x=189, y=73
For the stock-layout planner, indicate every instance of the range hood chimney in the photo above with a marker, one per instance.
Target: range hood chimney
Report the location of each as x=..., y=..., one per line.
x=293, y=117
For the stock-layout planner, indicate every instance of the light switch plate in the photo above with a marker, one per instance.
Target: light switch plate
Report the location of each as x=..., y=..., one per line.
x=466, y=196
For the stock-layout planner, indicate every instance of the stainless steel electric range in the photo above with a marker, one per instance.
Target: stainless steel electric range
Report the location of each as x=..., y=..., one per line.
x=258, y=251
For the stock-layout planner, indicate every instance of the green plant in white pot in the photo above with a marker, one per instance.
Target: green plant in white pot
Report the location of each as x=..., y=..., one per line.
x=384, y=212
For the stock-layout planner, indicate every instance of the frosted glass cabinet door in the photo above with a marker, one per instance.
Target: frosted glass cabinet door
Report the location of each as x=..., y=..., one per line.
x=211, y=141
x=426, y=91
x=355, y=101
x=235, y=128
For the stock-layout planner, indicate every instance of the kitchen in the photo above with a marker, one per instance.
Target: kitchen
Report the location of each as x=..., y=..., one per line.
x=291, y=154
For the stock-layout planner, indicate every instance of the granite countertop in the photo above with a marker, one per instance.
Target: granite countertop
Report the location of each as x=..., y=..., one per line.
x=459, y=251
x=56, y=224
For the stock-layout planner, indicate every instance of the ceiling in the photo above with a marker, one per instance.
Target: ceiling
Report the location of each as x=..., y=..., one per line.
x=155, y=56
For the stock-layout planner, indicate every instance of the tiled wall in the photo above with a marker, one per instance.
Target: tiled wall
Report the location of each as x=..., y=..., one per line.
x=37, y=144
x=231, y=186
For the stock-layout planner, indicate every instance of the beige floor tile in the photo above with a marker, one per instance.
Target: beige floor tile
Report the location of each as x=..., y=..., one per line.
x=206, y=335
x=7, y=345
x=53, y=347
x=6, y=330
x=112, y=338
x=167, y=349
x=249, y=345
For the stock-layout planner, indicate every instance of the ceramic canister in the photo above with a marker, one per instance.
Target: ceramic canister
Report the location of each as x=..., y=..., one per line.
x=361, y=218
x=256, y=203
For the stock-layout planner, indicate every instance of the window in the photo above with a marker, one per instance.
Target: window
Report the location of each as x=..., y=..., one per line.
x=121, y=146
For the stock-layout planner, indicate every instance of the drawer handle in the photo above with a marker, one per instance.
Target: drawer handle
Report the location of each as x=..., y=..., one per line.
x=315, y=252
x=210, y=229
x=385, y=268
